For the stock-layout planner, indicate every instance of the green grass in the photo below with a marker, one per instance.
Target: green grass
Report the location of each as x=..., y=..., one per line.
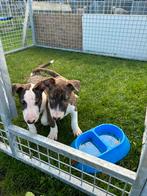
x=112, y=91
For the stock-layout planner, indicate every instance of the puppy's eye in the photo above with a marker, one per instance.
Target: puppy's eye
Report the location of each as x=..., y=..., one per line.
x=23, y=102
x=66, y=97
x=51, y=96
x=52, y=101
x=37, y=101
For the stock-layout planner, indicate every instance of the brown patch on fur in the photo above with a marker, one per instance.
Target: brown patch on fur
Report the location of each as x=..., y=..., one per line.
x=50, y=119
x=17, y=88
x=36, y=78
x=50, y=72
x=20, y=89
x=73, y=99
x=75, y=84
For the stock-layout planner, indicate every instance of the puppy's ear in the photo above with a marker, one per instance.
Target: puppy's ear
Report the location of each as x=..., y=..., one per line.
x=39, y=87
x=17, y=88
x=42, y=85
x=49, y=82
x=74, y=85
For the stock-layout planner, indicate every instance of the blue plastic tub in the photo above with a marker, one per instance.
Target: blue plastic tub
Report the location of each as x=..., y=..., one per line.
x=6, y=18
x=106, y=141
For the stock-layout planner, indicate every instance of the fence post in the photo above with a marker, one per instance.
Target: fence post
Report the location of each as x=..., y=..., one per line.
x=7, y=105
x=140, y=186
x=31, y=20
x=25, y=23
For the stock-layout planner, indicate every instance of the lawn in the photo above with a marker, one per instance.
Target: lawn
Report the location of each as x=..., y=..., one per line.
x=112, y=91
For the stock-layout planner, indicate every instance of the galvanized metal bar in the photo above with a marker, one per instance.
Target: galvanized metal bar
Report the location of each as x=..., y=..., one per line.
x=63, y=176
x=25, y=24
x=32, y=21
x=69, y=168
x=3, y=139
x=18, y=49
x=94, y=181
x=19, y=142
x=38, y=151
x=59, y=163
x=5, y=150
x=89, y=52
x=124, y=190
x=30, y=154
x=48, y=157
x=140, y=184
x=106, y=167
x=144, y=191
x=6, y=85
x=109, y=182
x=82, y=176
x=6, y=117
x=7, y=104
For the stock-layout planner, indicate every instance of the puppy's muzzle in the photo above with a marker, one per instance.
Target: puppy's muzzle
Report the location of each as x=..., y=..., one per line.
x=56, y=119
x=31, y=122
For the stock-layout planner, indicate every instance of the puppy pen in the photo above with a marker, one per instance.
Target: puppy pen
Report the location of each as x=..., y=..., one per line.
x=110, y=27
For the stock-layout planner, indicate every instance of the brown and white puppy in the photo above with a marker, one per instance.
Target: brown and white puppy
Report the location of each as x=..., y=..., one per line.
x=61, y=100
x=53, y=98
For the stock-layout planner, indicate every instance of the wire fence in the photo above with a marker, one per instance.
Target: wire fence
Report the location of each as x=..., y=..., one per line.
x=108, y=27
x=3, y=136
x=14, y=24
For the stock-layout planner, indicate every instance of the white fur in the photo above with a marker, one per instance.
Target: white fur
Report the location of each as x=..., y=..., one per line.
x=56, y=113
x=32, y=128
x=31, y=112
x=44, y=120
x=74, y=119
x=53, y=133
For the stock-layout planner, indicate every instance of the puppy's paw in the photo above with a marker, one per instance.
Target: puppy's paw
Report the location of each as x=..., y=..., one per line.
x=53, y=134
x=78, y=132
x=32, y=129
x=44, y=121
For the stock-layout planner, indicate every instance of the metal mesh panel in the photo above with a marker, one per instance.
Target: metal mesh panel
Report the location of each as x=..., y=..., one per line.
x=60, y=164
x=3, y=136
x=109, y=27
x=13, y=30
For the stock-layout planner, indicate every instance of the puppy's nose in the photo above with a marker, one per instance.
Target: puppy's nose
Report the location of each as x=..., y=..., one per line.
x=31, y=122
x=56, y=118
